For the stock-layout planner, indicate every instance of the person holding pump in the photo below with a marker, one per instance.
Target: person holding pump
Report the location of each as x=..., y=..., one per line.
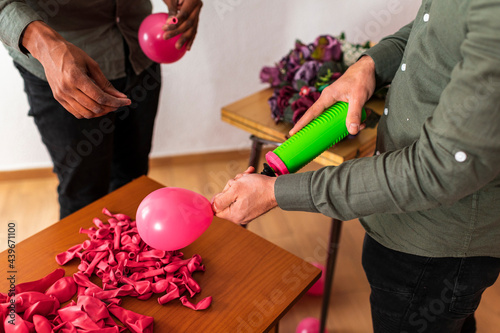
x=92, y=92
x=429, y=198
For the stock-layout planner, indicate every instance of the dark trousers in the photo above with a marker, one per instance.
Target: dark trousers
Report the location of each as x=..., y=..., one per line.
x=92, y=157
x=410, y=293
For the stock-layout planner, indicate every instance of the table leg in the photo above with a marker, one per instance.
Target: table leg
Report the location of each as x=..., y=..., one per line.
x=255, y=152
x=275, y=328
x=333, y=246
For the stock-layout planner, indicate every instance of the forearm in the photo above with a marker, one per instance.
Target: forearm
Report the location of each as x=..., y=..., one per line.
x=15, y=16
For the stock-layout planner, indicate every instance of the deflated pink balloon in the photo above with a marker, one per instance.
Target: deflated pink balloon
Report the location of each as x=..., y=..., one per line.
x=171, y=218
x=318, y=287
x=152, y=43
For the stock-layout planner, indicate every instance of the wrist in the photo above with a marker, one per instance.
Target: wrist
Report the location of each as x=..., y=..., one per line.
x=367, y=63
x=272, y=198
x=38, y=38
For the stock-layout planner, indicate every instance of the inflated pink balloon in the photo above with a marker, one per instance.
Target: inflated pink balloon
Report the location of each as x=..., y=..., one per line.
x=152, y=42
x=318, y=287
x=171, y=218
x=309, y=325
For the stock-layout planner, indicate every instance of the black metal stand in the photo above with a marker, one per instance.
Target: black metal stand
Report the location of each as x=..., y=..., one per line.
x=333, y=246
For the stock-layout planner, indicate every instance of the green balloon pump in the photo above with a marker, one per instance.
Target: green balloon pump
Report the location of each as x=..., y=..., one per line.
x=304, y=146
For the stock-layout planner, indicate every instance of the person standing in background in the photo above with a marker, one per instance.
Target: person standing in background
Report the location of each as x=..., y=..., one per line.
x=429, y=198
x=92, y=92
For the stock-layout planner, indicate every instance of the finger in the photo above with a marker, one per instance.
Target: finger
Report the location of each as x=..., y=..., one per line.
x=187, y=19
x=223, y=200
x=70, y=109
x=101, y=97
x=91, y=105
x=187, y=9
x=101, y=81
x=249, y=170
x=77, y=108
x=353, y=120
x=172, y=7
x=191, y=41
x=324, y=101
x=187, y=38
x=229, y=183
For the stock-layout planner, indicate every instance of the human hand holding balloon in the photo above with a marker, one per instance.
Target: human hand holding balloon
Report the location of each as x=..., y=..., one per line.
x=171, y=218
x=187, y=13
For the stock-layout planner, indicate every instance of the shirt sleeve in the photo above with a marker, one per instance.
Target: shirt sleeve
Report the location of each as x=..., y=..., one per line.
x=456, y=154
x=14, y=18
x=387, y=55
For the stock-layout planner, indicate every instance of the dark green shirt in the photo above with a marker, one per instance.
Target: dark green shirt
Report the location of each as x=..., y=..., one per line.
x=99, y=27
x=433, y=189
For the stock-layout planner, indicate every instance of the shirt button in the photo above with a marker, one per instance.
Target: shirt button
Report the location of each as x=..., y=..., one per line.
x=403, y=67
x=460, y=156
x=386, y=111
x=426, y=17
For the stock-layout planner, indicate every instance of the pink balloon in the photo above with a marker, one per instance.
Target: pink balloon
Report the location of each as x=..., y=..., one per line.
x=152, y=42
x=309, y=325
x=171, y=218
x=319, y=286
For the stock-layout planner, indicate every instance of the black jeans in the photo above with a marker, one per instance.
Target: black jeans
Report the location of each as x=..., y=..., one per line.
x=410, y=293
x=92, y=157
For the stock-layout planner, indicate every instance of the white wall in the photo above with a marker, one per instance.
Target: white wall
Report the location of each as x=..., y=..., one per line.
x=235, y=39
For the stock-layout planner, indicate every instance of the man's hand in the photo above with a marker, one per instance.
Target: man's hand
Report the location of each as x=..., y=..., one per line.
x=355, y=87
x=187, y=13
x=76, y=80
x=245, y=197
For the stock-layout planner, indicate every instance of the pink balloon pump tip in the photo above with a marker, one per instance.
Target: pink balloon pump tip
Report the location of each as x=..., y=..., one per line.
x=172, y=20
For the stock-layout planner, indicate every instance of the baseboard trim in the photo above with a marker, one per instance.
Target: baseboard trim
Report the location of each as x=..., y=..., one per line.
x=154, y=162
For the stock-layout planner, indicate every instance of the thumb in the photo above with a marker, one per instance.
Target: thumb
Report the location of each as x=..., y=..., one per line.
x=222, y=201
x=353, y=120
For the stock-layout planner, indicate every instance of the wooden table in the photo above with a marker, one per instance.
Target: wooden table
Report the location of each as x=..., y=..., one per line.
x=252, y=281
x=252, y=114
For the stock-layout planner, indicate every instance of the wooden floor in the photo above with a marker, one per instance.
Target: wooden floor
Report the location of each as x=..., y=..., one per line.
x=32, y=204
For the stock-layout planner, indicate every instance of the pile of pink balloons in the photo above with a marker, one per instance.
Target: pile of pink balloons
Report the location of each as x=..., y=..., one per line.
x=152, y=43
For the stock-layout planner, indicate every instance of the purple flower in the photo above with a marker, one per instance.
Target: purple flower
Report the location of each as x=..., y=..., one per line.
x=301, y=105
x=270, y=75
x=307, y=73
x=296, y=58
x=284, y=96
x=327, y=48
x=276, y=114
x=300, y=53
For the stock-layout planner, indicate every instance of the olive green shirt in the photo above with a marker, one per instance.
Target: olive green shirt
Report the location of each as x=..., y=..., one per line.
x=433, y=188
x=99, y=27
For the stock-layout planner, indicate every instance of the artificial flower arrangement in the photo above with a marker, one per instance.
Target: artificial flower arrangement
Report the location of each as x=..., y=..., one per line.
x=300, y=76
